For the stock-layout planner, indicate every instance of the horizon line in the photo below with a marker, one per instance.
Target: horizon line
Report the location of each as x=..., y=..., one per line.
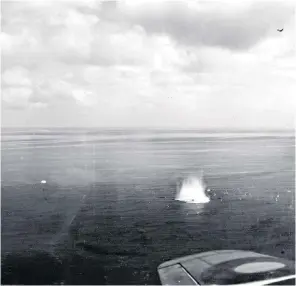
x=155, y=128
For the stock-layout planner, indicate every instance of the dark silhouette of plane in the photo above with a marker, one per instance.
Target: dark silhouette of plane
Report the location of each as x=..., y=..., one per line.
x=280, y=30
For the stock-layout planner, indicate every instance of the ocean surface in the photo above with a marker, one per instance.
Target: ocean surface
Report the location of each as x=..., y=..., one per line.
x=102, y=202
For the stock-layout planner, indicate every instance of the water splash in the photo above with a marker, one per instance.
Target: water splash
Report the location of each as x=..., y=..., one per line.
x=193, y=190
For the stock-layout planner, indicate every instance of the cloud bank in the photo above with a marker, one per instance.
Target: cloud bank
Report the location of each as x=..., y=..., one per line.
x=187, y=64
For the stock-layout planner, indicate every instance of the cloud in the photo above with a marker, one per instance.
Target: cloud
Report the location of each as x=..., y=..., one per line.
x=57, y=31
x=75, y=34
x=232, y=26
x=16, y=76
x=196, y=64
x=16, y=97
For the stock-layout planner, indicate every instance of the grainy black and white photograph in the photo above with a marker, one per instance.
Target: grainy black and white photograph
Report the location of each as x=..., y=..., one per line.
x=148, y=142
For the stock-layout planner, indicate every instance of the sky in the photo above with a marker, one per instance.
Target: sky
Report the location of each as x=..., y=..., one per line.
x=140, y=63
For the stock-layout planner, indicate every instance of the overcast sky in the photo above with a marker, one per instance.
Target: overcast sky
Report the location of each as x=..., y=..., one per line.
x=134, y=63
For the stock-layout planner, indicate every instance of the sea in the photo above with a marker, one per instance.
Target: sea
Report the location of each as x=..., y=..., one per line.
x=107, y=206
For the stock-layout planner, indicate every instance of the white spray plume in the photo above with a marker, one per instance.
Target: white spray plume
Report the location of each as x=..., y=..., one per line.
x=193, y=190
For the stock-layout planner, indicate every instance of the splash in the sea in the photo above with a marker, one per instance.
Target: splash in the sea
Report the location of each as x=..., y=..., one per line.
x=193, y=190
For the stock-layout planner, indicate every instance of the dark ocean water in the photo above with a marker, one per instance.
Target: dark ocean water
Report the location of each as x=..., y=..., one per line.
x=108, y=212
